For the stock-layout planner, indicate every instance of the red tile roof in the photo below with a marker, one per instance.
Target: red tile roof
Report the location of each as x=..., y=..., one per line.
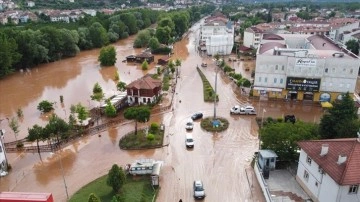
x=145, y=82
x=346, y=173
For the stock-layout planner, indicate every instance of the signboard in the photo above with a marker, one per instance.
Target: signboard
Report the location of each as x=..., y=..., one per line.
x=305, y=62
x=302, y=84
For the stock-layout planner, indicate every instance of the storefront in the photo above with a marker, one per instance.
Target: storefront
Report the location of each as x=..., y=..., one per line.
x=302, y=88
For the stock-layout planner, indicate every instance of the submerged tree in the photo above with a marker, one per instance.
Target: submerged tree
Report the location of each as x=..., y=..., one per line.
x=36, y=133
x=141, y=114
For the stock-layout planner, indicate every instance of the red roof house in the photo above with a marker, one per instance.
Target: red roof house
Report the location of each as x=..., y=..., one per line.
x=144, y=90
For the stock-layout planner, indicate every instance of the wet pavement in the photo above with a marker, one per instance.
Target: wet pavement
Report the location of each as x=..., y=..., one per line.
x=221, y=160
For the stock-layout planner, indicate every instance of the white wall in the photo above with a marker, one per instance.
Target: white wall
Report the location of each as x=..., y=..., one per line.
x=344, y=196
x=248, y=39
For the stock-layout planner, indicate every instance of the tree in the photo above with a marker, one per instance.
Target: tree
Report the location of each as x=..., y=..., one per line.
x=181, y=20
x=130, y=21
x=36, y=133
x=145, y=65
x=110, y=109
x=167, y=22
x=98, y=35
x=282, y=137
x=8, y=54
x=45, y=106
x=163, y=34
x=93, y=198
x=14, y=125
x=121, y=86
x=107, y=56
x=353, y=46
x=116, y=178
x=154, y=43
x=82, y=113
x=142, y=39
x=141, y=114
x=55, y=127
x=341, y=121
x=98, y=94
x=178, y=62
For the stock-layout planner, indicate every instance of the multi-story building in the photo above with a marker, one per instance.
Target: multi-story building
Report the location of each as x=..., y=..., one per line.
x=217, y=36
x=328, y=170
x=252, y=37
x=303, y=67
x=345, y=33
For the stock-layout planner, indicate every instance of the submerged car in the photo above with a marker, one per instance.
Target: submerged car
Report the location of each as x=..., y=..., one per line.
x=199, y=191
x=196, y=116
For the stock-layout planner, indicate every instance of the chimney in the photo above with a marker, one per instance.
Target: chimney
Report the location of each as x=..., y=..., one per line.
x=341, y=159
x=324, y=149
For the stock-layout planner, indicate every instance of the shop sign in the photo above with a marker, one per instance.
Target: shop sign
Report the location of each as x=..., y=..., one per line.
x=305, y=62
x=302, y=84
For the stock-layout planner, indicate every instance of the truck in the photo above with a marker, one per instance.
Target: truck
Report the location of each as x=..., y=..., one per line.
x=243, y=110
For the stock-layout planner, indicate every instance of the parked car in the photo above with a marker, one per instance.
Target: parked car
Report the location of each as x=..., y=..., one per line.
x=189, y=141
x=199, y=191
x=196, y=116
x=189, y=124
x=243, y=110
x=203, y=64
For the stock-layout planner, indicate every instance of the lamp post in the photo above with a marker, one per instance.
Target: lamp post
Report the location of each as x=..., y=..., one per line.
x=63, y=176
x=262, y=124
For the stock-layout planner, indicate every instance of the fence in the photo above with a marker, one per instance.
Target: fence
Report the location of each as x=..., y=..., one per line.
x=262, y=182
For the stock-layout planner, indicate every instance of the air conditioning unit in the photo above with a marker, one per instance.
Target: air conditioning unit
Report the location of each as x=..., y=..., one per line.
x=321, y=171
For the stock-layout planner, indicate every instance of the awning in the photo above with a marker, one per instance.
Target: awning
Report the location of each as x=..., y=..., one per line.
x=326, y=105
x=268, y=89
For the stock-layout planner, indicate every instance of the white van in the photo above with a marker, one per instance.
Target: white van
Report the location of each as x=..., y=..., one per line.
x=189, y=124
x=189, y=141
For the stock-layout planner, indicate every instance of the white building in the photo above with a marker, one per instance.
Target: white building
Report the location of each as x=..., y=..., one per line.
x=303, y=67
x=345, y=33
x=252, y=37
x=328, y=170
x=3, y=159
x=218, y=37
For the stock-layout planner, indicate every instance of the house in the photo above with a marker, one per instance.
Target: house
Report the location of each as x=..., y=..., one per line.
x=131, y=58
x=328, y=170
x=144, y=56
x=144, y=90
x=164, y=60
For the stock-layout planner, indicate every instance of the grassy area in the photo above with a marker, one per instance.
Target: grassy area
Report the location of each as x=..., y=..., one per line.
x=136, y=189
x=141, y=141
x=207, y=124
x=166, y=83
x=209, y=93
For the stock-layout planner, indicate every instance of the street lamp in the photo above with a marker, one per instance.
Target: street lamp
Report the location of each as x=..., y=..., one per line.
x=63, y=175
x=262, y=124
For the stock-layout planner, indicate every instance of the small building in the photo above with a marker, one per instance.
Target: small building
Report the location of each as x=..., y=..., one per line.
x=145, y=56
x=144, y=90
x=119, y=101
x=164, y=60
x=267, y=158
x=131, y=58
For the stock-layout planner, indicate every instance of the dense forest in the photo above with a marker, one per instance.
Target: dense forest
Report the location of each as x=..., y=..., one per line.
x=27, y=46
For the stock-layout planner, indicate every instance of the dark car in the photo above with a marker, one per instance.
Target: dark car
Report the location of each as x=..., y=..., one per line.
x=196, y=116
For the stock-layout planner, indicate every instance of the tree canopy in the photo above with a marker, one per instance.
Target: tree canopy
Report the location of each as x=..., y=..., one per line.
x=353, y=46
x=116, y=178
x=141, y=114
x=107, y=56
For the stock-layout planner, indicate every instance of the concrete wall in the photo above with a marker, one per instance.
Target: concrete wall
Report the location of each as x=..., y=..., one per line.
x=263, y=184
x=249, y=38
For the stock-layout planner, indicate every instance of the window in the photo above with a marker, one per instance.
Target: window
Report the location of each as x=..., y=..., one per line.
x=316, y=184
x=276, y=67
x=281, y=80
x=353, y=189
x=259, y=79
x=306, y=175
x=265, y=79
x=326, y=70
x=275, y=80
x=282, y=67
x=308, y=160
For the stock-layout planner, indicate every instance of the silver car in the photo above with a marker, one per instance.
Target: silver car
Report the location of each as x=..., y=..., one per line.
x=199, y=191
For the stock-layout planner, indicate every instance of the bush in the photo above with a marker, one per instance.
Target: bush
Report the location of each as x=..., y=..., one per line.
x=154, y=127
x=162, y=50
x=150, y=137
x=19, y=145
x=45, y=106
x=208, y=91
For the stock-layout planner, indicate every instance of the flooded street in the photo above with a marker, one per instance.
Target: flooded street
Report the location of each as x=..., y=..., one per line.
x=219, y=159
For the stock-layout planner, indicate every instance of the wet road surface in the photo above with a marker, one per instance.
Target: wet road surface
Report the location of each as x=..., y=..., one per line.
x=219, y=159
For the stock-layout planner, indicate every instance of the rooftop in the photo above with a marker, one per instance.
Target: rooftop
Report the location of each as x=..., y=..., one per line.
x=345, y=173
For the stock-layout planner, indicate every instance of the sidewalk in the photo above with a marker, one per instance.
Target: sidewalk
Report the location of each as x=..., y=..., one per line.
x=255, y=189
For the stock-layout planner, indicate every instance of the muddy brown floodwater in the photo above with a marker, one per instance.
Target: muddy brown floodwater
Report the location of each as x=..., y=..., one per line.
x=221, y=160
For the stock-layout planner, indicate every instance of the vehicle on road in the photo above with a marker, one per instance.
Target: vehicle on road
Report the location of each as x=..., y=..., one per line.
x=243, y=110
x=189, y=141
x=143, y=166
x=199, y=191
x=203, y=64
x=189, y=124
x=197, y=116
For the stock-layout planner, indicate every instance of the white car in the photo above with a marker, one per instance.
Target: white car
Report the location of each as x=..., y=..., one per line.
x=189, y=141
x=243, y=110
x=189, y=124
x=199, y=191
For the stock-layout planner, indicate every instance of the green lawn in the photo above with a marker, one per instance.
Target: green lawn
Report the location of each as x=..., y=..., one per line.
x=140, y=141
x=136, y=189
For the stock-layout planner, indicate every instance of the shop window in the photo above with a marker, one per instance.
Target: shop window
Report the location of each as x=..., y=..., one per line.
x=326, y=70
x=276, y=67
x=281, y=80
x=353, y=189
x=275, y=80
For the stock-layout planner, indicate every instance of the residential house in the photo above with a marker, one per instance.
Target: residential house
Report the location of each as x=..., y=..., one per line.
x=328, y=170
x=144, y=90
x=164, y=60
x=252, y=37
x=144, y=56
x=345, y=33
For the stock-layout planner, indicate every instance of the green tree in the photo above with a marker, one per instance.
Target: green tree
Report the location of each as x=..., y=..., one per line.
x=45, y=106
x=130, y=21
x=282, y=137
x=107, y=56
x=52, y=40
x=163, y=34
x=139, y=114
x=70, y=39
x=121, y=86
x=341, y=120
x=98, y=35
x=82, y=112
x=56, y=128
x=145, y=65
x=36, y=133
x=98, y=93
x=14, y=125
x=154, y=43
x=353, y=46
x=93, y=198
x=178, y=62
x=110, y=109
x=142, y=39
x=85, y=42
x=116, y=178
x=181, y=20
x=167, y=22
x=8, y=54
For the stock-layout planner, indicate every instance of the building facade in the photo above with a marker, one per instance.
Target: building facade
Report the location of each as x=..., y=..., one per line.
x=301, y=67
x=145, y=90
x=328, y=169
x=3, y=159
x=252, y=37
